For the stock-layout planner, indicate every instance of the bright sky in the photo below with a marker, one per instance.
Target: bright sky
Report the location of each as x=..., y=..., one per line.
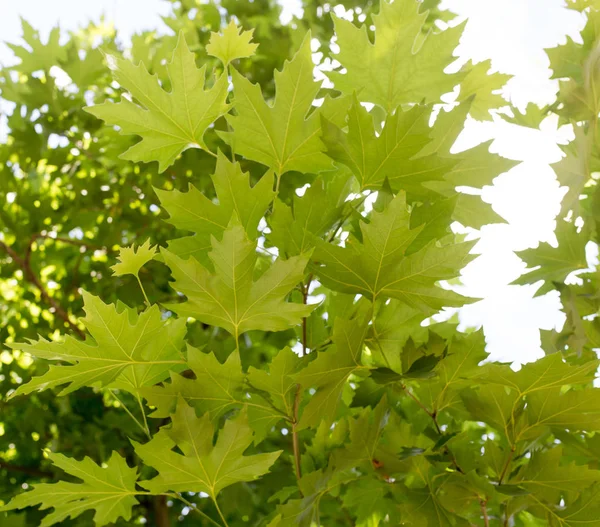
x=513, y=33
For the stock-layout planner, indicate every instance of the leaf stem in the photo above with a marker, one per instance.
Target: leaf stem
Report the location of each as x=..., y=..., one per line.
x=220, y=513
x=143, y=415
x=124, y=406
x=194, y=507
x=143, y=290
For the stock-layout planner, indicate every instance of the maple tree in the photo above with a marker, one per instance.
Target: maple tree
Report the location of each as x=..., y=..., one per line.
x=264, y=352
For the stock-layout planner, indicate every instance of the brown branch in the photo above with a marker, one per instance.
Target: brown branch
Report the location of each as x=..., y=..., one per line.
x=486, y=520
x=161, y=511
x=31, y=471
x=30, y=276
x=506, y=465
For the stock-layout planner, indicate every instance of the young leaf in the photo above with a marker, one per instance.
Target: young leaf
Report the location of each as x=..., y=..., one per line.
x=203, y=467
x=193, y=211
x=233, y=44
x=108, y=491
x=135, y=351
x=283, y=136
x=131, y=260
x=167, y=122
x=230, y=298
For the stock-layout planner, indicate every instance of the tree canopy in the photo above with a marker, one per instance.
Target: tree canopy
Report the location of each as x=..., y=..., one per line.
x=221, y=253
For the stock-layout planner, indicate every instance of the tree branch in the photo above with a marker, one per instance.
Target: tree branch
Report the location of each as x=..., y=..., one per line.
x=30, y=276
x=31, y=471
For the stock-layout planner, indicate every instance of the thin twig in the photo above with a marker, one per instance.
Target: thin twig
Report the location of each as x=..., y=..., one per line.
x=31, y=471
x=295, y=441
x=506, y=465
x=486, y=520
x=124, y=406
x=194, y=507
x=33, y=279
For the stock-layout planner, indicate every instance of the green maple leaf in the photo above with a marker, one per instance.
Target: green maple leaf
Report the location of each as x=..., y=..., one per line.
x=379, y=267
x=554, y=264
x=475, y=167
x=167, y=122
x=220, y=388
x=365, y=433
x=453, y=372
x=233, y=44
x=203, y=467
x=367, y=499
x=549, y=479
x=403, y=65
x=133, y=350
x=548, y=373
x=282, y=136
x=482, y=86
x=585, y=512
x=294, y=228
x=109, y=491
x=393, y=325
x=39, y=56
x=574, y=410
x=314, y=486
x=132, y=259
x=230, y=298
x=390, y=155
x=421, y=504
x=330, y=370
x=278, y=382
x=193, y=211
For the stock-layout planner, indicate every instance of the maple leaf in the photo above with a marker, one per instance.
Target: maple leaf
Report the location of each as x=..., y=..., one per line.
x=39, y=56
x=233, y=44
x=130, y=349
x=549, y=479
x=330, y=370
x=132, y=259
x=554, y=264
x=390, y=155
x=475, y=167
x=453, y=371
x=230, y=298
x=203, y=467
x=403, y=65
x=294, y=227
x=109, y=491
x=379, y=266
x=221, y=387
x=193, y=211
x=282, y=136
x=167, y=122
x=481, y=85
